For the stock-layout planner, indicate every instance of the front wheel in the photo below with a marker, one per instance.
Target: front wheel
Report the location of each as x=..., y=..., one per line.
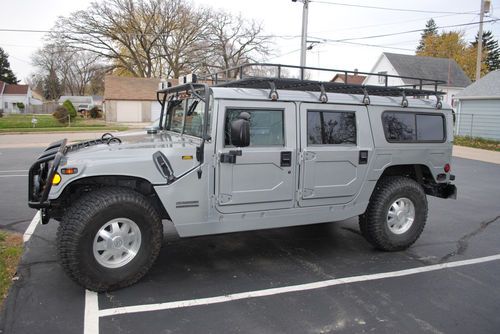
x=109, y=239
x=396, y=214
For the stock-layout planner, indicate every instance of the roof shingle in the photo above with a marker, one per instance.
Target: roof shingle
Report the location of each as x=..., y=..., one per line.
x=428, y=68
x=487, y=86
x=15, y=89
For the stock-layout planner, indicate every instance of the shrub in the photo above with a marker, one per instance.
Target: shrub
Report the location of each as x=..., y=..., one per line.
x=61, y=115
x=1, y=113
x=20, y=106
x=95, y=112
x=70, y=108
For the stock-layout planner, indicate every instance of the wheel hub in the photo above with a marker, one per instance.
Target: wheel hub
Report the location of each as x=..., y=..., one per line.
x=117, y=243
x=401, y=215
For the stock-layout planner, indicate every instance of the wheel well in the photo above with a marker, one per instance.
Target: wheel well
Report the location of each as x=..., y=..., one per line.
x=419, y=173
x=76, y=189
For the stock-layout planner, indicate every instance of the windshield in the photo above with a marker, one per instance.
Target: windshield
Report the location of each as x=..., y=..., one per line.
x=186, y=116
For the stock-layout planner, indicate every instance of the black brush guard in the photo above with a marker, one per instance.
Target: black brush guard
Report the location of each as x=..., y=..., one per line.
x=43, y=169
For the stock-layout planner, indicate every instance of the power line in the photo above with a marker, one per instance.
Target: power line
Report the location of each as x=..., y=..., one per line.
x=388, y=8
x=401, y=33
x=392, y=23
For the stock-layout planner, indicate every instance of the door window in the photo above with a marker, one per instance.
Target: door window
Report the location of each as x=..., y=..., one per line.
x=331, y=127
x=266, y=126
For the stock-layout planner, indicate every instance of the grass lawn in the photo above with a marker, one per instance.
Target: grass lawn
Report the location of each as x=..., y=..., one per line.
x=476, y=142
x=22, y=123
x=11, y=248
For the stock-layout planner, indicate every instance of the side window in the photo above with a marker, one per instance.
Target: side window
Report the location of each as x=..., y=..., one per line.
x=266, y=126
x=399, y=126
x=430, y=127
x=331, y=127
x=382, y=77
x=413, y=127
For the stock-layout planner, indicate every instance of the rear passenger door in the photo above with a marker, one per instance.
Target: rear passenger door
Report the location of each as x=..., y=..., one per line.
x=336, y=145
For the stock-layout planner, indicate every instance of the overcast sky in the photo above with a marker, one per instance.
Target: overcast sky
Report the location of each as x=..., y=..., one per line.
x=280, y=18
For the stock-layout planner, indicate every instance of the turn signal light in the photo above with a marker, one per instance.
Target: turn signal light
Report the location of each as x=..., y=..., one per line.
x=56, y=179
x=447, y=168
x=69, y=171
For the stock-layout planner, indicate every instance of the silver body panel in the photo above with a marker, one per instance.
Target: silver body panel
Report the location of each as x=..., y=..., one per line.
x=323, y=183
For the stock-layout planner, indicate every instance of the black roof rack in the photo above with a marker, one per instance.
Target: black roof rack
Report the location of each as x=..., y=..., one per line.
x=289, y=77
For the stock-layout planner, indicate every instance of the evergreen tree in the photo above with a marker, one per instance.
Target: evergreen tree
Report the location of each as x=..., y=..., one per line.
x=52, y=89
x=430, y=30
x=490, y=45
x=6, y=74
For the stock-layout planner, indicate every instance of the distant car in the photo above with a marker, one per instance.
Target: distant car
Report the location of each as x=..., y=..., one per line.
x=84, y=107
x=248, y=154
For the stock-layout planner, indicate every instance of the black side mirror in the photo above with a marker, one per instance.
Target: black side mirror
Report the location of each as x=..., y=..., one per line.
x=240, y=130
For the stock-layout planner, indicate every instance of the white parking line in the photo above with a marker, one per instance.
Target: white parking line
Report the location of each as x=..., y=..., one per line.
x=91, y=319
x=25, y=175
x=31, y=228
x=293, y=288
x=13, y=171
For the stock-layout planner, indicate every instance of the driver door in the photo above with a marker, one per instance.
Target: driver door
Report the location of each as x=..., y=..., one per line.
x=262, y=175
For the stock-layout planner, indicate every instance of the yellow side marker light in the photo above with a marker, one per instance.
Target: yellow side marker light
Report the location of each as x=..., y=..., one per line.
x=56, y=179
x=69, y=171
x=187, y=157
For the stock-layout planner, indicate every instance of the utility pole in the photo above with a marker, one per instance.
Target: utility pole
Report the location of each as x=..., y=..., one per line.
x=303, y=42
x=485, y=7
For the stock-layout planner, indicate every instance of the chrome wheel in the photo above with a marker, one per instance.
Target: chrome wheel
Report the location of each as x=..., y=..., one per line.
x=117, y=243
x=401, y=215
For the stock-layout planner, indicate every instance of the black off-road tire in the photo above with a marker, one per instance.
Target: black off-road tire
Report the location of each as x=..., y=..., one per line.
x=82, y=221
x=373, y=223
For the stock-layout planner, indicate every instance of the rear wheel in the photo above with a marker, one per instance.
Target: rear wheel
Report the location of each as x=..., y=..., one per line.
x=109, y=239
x=396, y=214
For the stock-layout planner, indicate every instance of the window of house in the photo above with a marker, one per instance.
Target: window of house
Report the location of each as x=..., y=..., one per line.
x=413, y=127
x=382, y=77
x=331, y=127
x=266, y=126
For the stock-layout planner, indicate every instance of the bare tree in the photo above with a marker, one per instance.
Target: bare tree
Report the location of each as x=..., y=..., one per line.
x=233, y=41
x=74, y=69
x=162, y=38
x=125, y=32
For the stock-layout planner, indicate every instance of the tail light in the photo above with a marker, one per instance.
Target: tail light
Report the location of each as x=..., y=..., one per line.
x=447, y=168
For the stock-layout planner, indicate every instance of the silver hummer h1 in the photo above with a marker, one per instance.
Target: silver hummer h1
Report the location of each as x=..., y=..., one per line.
x=255, y=152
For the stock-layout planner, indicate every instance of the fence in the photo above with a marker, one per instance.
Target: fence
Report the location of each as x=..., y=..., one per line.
x=478, y=125
x=45, y=108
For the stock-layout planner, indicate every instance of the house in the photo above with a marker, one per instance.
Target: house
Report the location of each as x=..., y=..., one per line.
x=16, y=98
x=432, y=68
x=478, y=108
x=354, y=79
x=129, y=99
x=79, y=102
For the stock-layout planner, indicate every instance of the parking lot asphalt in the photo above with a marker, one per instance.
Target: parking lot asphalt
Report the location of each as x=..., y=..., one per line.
x=309, y=279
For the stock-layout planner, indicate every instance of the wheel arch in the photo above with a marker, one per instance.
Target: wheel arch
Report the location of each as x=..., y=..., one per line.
x=75, y=189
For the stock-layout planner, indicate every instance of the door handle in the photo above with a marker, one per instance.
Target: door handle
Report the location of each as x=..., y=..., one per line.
x=286, y=159
x=230, y=157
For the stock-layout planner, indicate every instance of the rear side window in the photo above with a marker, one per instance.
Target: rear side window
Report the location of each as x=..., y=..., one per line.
x=407, y=127
x=331, y=127
x=266, y=126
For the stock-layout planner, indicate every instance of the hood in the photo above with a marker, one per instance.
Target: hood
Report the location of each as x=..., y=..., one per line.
x=139, y=140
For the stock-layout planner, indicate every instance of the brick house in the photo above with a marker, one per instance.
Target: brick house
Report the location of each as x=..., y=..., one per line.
x=128, y=99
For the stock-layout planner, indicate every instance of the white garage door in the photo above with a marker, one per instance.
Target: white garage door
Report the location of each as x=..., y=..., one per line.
x=128, y=111
x=155, y=111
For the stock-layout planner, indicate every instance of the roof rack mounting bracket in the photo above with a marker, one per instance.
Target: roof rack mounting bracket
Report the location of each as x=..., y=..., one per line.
x=273, y=94
x=404, y=101
x=323, y=98
x=439, y=104
x=366, y=97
